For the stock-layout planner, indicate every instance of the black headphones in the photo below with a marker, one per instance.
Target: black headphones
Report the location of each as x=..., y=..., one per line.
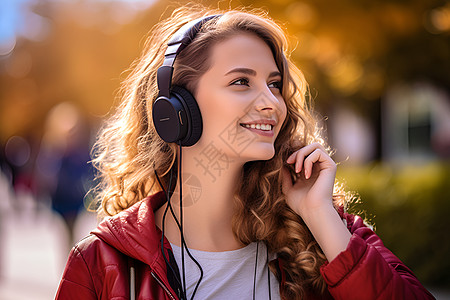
x=175, y=112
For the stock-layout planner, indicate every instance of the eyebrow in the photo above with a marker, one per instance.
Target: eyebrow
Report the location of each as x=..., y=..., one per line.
x=251, y=72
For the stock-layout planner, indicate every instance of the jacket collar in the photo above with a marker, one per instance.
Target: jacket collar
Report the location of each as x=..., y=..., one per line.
x=134, y=232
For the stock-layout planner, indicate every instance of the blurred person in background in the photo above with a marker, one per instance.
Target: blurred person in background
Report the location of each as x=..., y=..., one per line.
x=265, y=219
x=18, y=168
x=62, y=170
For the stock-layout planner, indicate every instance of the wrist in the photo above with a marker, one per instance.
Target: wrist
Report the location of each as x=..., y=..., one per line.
x=316, y=212
x=328, y=229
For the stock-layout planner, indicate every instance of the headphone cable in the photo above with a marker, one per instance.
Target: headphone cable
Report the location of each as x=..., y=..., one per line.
x=181, y=219
x=176, y=275
x=183, y=242
x=268, y=271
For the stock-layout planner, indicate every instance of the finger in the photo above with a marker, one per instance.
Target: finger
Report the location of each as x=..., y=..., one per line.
x=299, y=161
x=309, y=162
x=316, y=156
x=308, y=149
x=291, y=157
x=305, y=152
x=297, y=157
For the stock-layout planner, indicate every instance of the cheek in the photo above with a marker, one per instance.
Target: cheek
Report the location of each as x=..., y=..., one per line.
x=214, y=108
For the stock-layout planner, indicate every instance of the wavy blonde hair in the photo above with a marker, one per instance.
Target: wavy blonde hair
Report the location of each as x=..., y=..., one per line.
x=128, y=150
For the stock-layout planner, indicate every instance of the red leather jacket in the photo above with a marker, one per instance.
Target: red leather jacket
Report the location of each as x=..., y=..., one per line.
x=98, y=266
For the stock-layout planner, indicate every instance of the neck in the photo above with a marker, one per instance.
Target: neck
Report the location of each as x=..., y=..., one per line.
x=209, y=182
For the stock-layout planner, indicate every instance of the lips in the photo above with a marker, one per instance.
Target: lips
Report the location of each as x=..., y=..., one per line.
x=264, y=127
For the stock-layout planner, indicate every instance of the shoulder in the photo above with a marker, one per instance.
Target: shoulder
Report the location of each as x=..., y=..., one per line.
x=89, y=246
x=90, y=262
x=93, y=258
x=88, y=243
x=78, y=277
x=96, y=253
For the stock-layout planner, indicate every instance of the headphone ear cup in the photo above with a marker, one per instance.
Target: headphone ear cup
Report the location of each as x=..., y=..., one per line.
x=168, y=115
x=195, y=123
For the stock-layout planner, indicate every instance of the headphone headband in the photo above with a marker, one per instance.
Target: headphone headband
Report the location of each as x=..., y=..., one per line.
x=176, y=44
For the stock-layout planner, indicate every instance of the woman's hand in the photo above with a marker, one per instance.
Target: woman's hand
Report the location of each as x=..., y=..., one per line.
x=311, y=194
x=313, y=187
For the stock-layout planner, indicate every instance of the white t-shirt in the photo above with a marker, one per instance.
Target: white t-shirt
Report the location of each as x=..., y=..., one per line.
x=230, y=274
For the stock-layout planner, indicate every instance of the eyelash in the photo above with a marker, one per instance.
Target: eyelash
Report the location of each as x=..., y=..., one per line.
x=246, y=81
x=277, y=84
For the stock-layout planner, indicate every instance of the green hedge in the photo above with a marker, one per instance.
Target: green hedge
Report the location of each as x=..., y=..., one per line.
x=410, y=210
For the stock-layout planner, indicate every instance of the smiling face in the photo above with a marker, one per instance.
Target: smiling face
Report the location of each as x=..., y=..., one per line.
x=240, y=99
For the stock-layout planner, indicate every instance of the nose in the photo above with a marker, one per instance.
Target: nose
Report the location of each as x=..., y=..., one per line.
x=267, y=101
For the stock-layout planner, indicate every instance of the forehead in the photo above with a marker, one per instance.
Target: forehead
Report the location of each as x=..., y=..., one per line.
x=243, y=50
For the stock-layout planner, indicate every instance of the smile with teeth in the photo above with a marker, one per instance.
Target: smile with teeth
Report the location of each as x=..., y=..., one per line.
x=265, y=127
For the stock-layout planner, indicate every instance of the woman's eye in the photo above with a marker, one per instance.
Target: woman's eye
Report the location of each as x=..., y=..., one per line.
x=241, y=81
x=276, y=85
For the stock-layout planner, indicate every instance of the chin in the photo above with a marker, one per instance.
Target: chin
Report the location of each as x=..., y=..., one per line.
x=259, y=152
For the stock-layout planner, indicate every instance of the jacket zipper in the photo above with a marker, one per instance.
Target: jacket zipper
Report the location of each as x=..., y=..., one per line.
x=163, y=285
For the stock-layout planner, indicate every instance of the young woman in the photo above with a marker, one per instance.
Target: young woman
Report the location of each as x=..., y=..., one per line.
x=257, y=214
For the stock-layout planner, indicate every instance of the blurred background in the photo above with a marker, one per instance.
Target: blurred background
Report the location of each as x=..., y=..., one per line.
x=379, y=72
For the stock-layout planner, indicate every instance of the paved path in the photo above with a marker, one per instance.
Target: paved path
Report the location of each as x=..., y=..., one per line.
x=33, y=247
